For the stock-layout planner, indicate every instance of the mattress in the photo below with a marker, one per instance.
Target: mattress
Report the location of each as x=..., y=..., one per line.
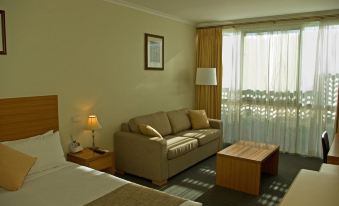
x=67, y=184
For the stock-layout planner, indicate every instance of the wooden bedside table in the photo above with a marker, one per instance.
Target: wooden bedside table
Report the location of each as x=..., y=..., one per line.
x=88, y=158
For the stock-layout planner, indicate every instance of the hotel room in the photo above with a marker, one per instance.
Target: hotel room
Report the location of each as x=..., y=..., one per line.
x=173, y=103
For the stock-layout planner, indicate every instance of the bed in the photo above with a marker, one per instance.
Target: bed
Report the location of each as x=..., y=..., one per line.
x=65, y=183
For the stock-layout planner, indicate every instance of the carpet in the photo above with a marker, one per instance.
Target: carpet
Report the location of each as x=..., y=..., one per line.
x=198, y=183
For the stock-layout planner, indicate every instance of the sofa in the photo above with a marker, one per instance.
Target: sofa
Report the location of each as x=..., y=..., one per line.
x=158, y=159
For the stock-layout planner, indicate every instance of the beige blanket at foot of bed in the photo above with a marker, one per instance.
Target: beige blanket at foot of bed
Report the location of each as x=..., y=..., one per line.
x=132, y=194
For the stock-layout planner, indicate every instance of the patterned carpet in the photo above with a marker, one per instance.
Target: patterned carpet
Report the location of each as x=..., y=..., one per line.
x=198, y=183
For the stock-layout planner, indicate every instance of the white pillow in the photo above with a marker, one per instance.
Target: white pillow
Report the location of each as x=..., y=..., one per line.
x=47, y=148
x=13, y=142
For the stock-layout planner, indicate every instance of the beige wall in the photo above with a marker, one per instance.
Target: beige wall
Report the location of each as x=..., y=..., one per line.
x=91, y=54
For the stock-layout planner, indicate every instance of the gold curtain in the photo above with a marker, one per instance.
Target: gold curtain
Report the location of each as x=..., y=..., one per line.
x=209, y=48
x=336, y=115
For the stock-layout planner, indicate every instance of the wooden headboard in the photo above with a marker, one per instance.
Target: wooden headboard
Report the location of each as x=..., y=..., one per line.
x=28, y=116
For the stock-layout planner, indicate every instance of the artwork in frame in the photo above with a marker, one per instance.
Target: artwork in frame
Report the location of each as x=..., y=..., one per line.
x=154, y=52
x=2, y=33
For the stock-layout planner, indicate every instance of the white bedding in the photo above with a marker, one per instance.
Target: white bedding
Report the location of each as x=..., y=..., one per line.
x=68, y=184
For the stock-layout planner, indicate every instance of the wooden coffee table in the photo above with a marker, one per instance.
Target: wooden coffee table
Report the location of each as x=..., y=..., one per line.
x=239, y=166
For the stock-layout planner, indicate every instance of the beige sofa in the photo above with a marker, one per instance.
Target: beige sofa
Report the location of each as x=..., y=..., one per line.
x=158, y=159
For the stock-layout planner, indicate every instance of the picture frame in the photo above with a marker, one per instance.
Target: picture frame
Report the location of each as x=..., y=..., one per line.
x=154, y=52
x=3, y=50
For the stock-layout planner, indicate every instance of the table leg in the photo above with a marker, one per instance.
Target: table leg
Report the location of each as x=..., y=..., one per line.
x=270, y=166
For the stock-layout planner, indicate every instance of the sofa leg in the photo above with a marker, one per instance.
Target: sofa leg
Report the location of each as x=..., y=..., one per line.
x=119, y=172
x=159, y=183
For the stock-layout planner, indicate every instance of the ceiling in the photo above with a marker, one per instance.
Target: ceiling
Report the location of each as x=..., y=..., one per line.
x=212, y=11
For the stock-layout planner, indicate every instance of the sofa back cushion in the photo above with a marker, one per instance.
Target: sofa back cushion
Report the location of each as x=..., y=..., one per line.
x=179, y=120
x=158, y=121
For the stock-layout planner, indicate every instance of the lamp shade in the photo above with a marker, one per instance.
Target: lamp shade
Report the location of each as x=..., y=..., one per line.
x=93, y=123
x=206, y=76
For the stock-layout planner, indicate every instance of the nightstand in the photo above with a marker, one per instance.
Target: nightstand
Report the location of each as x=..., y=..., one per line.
x=88, y=158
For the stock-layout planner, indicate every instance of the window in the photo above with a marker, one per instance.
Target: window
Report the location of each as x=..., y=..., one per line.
x=280, y=85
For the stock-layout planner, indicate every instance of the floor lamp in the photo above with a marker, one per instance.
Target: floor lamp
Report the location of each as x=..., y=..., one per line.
x=205, y=77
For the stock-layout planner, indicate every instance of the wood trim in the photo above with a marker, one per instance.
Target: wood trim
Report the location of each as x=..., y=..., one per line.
x=3, y=50
x=28, y=116
x=146, y=53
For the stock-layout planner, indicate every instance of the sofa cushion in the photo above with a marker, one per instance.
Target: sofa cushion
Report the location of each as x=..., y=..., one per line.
x=179, y=120
x=199, y=119
x=149, y=131
x=159, y=121
x=204, y=136
x=178, y=146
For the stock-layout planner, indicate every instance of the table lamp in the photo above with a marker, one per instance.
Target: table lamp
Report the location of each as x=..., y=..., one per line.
x=93, y=124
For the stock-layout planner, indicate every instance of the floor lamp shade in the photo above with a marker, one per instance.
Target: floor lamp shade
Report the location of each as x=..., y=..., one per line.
x=206, y=76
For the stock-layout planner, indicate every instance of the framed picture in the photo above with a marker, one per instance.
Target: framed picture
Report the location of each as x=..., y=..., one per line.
x=154, y=52
x=2, y=33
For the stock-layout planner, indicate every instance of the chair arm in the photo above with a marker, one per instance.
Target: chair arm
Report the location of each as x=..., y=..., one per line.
x=215, y=123
x=141, y=155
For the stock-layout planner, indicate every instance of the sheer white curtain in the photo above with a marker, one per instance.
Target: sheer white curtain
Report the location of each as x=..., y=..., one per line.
x=280, y=86
x=319, y=85
x=231, y=81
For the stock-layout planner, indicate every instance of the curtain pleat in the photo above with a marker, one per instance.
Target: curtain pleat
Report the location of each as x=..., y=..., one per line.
x=336, y=116
x=209, y=51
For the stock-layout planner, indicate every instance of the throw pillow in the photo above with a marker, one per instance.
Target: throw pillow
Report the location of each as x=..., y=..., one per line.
x=199, y=119
x=148, y=130
x=14, y=166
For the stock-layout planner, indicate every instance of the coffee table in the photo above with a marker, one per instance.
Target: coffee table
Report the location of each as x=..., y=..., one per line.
x=239, y=166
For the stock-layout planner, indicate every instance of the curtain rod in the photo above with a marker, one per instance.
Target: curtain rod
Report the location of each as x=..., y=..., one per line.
x=318, y=17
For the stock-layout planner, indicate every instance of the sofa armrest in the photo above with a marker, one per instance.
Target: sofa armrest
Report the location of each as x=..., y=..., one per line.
x=215, y=123
x=124, y=127
x=141, y=155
